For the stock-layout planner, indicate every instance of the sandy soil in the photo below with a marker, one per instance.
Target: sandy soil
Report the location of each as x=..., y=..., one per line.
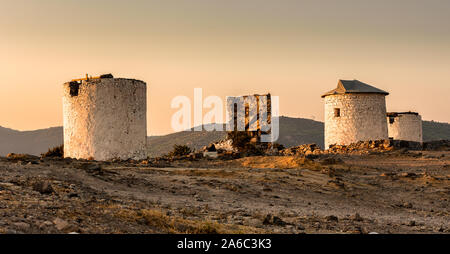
x=398, y=192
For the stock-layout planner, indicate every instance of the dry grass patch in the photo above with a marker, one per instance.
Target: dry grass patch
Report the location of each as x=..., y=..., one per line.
x=158, y=222
x=20, y=157
x=281, y=162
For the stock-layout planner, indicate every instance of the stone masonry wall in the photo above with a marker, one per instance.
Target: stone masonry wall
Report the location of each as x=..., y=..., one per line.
x=362, y=118
x=406, y=127
x=105, y=119
x=251, y=113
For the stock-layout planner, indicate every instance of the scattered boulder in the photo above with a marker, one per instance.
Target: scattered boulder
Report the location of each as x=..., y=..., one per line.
x=357, y=217
x=45, y=224
x=278, y=221
x=408, y=175
x=60, y=224
x=441, y=229
x=273, y=220
x=22, y=226
x=210, y=154
x=407, y=205
x=332, y=218
x=43, y=187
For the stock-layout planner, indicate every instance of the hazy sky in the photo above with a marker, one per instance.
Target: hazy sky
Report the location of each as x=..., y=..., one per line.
x=294, y=49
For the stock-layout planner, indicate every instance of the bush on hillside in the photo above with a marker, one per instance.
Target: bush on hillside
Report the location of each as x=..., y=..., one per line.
x=57, y=151
x=180, y=150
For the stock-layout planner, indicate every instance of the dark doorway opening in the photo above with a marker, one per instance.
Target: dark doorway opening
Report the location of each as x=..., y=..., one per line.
x=74, y=88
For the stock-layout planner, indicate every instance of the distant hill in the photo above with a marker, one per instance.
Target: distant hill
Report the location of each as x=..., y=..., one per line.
x=29, y=142
x=293, y=131
x=298, y=131
x=435, y=131
x=159, y=145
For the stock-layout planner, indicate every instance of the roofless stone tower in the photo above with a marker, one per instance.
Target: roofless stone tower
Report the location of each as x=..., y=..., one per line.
x=354, y=111
x=105, y=118
x=405, y=126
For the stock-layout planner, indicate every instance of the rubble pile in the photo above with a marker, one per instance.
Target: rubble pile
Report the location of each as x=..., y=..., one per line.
x=302, y=150
x=361, y=147
x=225, y=145
x=220, y=150
x=364, y=147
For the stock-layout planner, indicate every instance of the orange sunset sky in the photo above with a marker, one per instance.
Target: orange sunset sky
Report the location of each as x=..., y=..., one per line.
x=296, y=50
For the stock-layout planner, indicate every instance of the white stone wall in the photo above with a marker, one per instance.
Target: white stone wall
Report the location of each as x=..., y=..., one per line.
x=363, y=117
x=106, y=120
x=406, y=127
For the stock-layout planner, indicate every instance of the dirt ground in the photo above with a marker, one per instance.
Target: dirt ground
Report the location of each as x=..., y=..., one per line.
x=397, y=192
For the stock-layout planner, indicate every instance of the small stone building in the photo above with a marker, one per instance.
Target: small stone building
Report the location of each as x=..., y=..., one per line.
x=354, y=111
x=405, y=126
x=105, y=118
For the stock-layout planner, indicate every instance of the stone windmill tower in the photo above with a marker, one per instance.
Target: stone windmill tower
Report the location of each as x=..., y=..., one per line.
x=354, y=111
x=405, y=126
x=105, y=118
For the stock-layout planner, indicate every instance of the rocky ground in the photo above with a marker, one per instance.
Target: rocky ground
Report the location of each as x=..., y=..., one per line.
x=395, y=192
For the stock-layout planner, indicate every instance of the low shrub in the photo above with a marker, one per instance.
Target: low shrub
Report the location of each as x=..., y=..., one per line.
x=180, y=150
x=57, y=151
